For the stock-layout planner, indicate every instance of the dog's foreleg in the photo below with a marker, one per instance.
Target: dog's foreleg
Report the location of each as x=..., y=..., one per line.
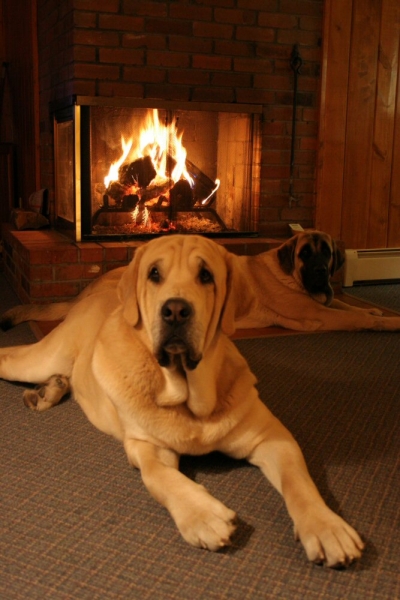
x=326, y=537
x=202, y=520
x=372, y=310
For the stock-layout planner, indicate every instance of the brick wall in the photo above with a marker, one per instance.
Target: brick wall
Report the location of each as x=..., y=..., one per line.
x=45, y=266
x=205, y=50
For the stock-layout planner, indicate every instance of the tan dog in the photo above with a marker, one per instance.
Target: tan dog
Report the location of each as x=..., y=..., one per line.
x=288, y=286
x=151, y=364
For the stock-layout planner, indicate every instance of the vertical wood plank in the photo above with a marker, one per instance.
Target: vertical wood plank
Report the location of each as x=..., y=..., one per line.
x=358, y=177
x=384, y=120
x=394, y=200
x=333, y=110
x=360, y=119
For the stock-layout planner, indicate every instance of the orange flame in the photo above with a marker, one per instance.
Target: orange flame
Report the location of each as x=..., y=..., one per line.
x=113, y=172
x=160, y=142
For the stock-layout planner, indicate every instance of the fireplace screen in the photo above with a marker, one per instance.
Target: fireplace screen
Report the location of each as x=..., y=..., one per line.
x=128, y=171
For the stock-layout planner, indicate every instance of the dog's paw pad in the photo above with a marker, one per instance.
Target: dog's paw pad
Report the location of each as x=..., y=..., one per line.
x=30, y=398
x=48, y=394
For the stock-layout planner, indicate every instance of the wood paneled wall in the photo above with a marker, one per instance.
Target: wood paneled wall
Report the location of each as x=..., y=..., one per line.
x=358, y=185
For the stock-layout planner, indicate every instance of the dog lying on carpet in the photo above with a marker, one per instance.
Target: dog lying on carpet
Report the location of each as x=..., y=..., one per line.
x=288, y=286
x=150, y=362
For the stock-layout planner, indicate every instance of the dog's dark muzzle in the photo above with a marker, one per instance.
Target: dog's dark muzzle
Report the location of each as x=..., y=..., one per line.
x=316, y=276
x=176, y=316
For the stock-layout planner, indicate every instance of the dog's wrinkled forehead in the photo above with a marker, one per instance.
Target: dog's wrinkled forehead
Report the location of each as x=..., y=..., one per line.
x=313, y=244
x=183, y=255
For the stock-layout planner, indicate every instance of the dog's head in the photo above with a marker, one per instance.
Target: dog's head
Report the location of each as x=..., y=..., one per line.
x=179, y=289
x=312, y=258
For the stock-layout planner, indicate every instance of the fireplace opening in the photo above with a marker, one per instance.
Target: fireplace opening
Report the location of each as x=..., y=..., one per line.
x=128, y=169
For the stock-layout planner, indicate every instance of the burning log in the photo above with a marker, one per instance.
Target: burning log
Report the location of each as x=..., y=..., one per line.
x=116, y=191
x=130, y=201
x=180, y=198
x=135, y=182
x=155, y=191
x=138, y=173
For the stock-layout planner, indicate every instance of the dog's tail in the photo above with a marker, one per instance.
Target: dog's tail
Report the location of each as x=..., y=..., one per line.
x=57, y=311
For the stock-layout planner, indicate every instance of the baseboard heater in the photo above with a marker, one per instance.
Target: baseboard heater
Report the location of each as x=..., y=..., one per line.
x=369, y=266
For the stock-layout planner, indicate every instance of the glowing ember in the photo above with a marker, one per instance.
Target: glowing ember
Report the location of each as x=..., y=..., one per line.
x=146, y=217
x=135, y=213
x=185, y=223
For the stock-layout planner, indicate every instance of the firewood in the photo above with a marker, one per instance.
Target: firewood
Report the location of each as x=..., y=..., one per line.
x=138, y=173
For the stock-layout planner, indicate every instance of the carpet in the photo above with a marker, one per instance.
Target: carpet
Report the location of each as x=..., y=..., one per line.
x=386, y=295
x=76, y=521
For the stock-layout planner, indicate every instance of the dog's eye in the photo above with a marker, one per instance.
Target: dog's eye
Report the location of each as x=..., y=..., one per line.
x=325, y=250
x=206, y=276
x=305, y=252
x=154, y=275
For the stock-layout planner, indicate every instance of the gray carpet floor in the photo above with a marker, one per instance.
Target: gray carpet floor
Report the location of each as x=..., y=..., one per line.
x=77, y=523
x=386, y=295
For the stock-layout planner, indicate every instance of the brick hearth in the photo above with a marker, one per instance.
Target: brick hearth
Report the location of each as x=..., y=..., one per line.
x=46, y=266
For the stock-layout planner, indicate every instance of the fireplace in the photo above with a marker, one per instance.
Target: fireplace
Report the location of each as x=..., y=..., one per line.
x=128, y=169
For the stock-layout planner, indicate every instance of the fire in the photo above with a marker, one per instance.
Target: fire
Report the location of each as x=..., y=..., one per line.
x=160, y=142
x=146, y=217
x=135, y=213
x=113, y=172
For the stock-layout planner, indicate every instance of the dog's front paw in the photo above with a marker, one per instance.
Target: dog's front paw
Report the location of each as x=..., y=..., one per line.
x=206, y=523
x=328, y=540
x=48, y=394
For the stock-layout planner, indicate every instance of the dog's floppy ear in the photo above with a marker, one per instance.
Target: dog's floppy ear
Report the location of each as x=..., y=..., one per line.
x=286, y=255
x=229, y=316
x=337, y=258
x=127, y=289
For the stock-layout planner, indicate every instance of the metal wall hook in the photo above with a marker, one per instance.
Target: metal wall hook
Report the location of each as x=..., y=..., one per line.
x=295, y=60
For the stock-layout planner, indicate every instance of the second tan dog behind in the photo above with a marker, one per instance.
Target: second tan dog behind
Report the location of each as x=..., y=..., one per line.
x=288, y=286
x=150, y=362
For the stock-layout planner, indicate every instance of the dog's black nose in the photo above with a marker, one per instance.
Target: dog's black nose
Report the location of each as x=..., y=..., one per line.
x=176, y=311
x=320, y=269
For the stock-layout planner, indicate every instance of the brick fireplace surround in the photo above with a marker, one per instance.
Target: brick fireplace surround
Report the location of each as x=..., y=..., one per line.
x=224, y=51
x=46, y=266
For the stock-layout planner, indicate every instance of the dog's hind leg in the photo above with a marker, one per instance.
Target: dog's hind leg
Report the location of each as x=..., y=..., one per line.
x=35, y=363
x=47, y=394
